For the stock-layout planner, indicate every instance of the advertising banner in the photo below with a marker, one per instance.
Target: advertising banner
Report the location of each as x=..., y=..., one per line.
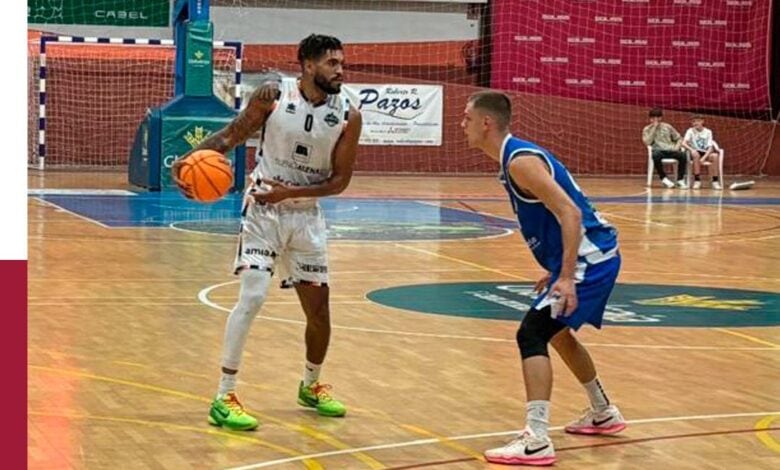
x=398, y=114
x=676, y=53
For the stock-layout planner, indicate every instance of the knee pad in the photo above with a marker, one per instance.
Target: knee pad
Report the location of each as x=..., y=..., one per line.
x=254, y=288
x=535, y=333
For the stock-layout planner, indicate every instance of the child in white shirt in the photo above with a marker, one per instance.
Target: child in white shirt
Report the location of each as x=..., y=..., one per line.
x=698, y=140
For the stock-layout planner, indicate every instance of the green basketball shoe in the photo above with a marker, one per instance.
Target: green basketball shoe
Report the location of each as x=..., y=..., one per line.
x=316, y=396
x=227, y=411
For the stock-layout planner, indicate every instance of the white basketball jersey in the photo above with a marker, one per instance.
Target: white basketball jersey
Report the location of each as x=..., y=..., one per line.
x=298, y=137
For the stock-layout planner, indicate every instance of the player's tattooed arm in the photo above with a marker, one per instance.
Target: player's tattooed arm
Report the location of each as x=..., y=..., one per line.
x=249, y=121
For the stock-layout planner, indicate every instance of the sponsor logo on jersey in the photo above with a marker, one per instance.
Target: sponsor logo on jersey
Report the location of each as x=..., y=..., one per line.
x=301, y=153
x=290, y=108
x=313, y=268
x=331, y=119
x=260, y=252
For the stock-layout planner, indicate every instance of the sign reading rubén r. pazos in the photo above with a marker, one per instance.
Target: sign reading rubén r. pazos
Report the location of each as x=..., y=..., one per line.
x=398, y=114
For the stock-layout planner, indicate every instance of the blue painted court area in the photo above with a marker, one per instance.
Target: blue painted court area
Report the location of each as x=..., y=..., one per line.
x=347, y=219
x=690, y=198
x=353, y=219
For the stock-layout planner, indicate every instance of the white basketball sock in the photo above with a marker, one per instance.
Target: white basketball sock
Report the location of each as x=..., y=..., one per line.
x=598, y=398
x=226, y=384
x=311, y=373
x=537, y=416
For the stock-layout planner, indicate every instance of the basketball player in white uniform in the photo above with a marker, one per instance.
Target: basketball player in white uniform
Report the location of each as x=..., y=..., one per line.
x=309, y=142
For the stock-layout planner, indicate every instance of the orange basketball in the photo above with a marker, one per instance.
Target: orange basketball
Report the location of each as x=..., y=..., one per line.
x=209, y=175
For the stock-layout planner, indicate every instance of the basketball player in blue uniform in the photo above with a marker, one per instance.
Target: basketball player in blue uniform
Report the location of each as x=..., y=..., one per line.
x=579, y=251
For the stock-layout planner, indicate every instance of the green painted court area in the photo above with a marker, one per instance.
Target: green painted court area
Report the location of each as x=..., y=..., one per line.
x=630, y=304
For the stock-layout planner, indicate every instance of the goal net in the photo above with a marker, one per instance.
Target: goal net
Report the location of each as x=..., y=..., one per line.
x=582, y=76
x=96, y=91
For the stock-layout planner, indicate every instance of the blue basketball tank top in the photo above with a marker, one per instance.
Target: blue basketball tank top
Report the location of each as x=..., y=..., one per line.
x=540, y=227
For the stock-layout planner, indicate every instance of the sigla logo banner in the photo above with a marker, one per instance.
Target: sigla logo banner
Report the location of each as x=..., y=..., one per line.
x=398, y=114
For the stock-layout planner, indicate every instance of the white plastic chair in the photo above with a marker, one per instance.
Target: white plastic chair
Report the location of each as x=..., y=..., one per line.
x=651, y=165
x=709, y=163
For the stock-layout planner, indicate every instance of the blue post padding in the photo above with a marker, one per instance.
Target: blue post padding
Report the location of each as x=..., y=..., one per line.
x=199, y=10
x=184, y=11
x=144, y=163
x=155, y=131
x=209, y=108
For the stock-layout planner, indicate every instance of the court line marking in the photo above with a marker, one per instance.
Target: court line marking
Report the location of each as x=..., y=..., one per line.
x=747, y=337
x=103, y=280
x=506, y=231
x=419, y=442
x=594, y=445
x=178, y=304
x=172, y=226
x=467, y=263
x=59, y=208
x=310, y=464
x=164, y=372
x=399, y=271
x=632, y=219
x=203, y=297
x=699, y=274
x=345, y=242
x=42, y=192
x=374, y=413
x=299, y=428
x=764, y=435
x=446, y=442
x=373, y=243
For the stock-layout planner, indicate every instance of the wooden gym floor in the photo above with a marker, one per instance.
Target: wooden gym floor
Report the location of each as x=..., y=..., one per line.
x=127, y=305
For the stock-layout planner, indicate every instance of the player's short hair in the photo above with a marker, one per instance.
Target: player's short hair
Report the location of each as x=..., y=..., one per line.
x=697, y=117
x=497, y=105
x=315, y=46
x=656, y=112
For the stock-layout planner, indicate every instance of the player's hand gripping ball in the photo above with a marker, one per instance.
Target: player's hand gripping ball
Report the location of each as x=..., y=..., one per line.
x=205, y=175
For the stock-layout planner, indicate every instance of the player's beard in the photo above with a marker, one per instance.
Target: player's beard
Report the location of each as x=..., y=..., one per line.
x=327, y=86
